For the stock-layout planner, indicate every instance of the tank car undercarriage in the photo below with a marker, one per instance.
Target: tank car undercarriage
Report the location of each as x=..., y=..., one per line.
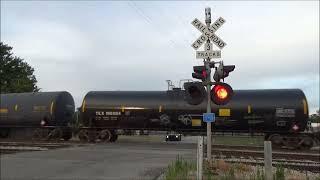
x=45, y=133
x=281, y=140
x=294, y=140
x=56, y=133
x=97, y=135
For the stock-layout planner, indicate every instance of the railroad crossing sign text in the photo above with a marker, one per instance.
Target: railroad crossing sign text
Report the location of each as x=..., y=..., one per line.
x=208, y=33
x=208, y=54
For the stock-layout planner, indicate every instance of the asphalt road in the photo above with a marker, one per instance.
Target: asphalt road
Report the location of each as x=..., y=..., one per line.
x=121, y=160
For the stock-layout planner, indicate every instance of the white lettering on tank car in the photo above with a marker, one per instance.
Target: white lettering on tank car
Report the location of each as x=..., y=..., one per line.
x=99, y=113
x=112, y=113
x=281, y=112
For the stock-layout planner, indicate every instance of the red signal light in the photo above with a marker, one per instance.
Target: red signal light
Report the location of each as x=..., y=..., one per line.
x=221, y=93
x=200, y=72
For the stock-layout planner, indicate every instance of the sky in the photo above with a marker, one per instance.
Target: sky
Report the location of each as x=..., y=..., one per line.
x=81, y=46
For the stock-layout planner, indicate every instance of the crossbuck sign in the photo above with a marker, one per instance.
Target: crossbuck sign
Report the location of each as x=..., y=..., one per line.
x=208, y=33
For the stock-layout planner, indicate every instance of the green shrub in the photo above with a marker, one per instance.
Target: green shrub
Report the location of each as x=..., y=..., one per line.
x=179, y=169
x=207, y=174
x=259, y=174
x=279, y=175
x=230, y=175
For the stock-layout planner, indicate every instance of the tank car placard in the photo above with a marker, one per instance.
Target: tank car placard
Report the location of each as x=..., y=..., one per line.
x=39, y=108
x=3, y=111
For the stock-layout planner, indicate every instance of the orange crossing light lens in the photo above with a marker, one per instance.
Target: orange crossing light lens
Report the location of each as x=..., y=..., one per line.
x=221, y=92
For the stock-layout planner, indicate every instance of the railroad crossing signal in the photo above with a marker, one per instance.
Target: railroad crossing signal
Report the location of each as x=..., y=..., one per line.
x=221, y=93
x=200, y=72
x=222, y=72
x=195, y=91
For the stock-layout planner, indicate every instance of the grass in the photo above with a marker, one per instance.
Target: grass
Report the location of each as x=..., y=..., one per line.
x=221, y=170
x=259, y=174
x=181, y=169
x=239, y=140
x=279, y=174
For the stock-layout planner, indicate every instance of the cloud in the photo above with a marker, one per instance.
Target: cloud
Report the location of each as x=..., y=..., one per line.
x=44, y=39
x=87, y=46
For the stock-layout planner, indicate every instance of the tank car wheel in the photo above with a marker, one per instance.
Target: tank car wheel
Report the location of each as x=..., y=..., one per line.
x=276, y=140
x=105, y=135
x=306, y=143
x=55, y=134
x=37, y=134
x=67, y=135
x=83, y=135
x=4, y=133
x=92, y=136
x=114, y=136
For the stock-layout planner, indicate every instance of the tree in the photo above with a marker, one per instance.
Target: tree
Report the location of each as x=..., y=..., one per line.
x=16, y=75
x=315, y=118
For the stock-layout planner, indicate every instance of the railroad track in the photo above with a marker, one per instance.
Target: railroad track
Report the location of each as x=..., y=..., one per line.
x=300, y=166
x=38, y=143
x=275, y=154
x=294, y=159
x=14, y=147
x=257, y=148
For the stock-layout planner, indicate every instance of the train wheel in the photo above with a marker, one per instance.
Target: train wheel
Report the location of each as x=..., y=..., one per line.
x=55, y=134
x=39, y=134
x=105, y=135
x=276, y=140
x=67, y=134
x=4, y=133
x=83, y=135
x=114, y=136
x=306, y=143
x=92, y=136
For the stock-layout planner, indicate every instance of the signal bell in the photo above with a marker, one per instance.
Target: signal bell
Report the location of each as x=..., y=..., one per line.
x=221, y=93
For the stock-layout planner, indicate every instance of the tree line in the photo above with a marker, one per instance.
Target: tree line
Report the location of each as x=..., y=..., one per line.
x=17, y=76
x=315, y=118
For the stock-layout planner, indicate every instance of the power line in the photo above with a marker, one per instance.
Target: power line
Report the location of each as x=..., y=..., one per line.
x=148, y=19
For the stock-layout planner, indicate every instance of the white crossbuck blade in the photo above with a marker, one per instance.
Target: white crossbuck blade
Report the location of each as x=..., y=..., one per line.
x=208, y=33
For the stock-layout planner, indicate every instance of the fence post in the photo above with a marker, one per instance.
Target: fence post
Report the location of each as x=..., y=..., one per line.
x=199, y=158
x=268, y=160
